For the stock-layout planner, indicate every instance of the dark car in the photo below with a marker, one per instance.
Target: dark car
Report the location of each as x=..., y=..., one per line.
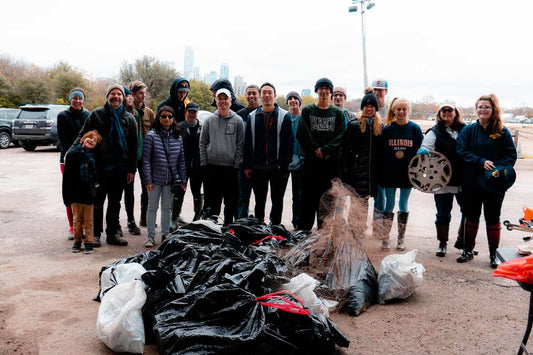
x=7, y=116
x=37, y=125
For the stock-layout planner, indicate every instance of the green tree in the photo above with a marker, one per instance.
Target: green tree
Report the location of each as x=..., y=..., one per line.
x=63, y=78
x=34, y=90
x=155, y=74
x=307, y=100
x=280, y=100
x=201, y=94
x=6, y=93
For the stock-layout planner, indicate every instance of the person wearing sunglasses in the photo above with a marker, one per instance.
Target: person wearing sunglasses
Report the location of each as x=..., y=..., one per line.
x=163, y=165
x=488, y=153
x=442, y=138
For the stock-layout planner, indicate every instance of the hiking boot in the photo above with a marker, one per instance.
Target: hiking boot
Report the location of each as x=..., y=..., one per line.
x=441, y=250
x=150, y=242
x=133, y=229
x=76, y=247
x=142, y=223
x=465, y=256
x=88, y=248
x=119, y=231
x=116, y=240
x=96, y=241
x=71, y=233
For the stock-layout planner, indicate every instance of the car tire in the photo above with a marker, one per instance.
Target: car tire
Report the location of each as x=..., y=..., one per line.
x=5, y=139
x=15, y=143
x=28, y=146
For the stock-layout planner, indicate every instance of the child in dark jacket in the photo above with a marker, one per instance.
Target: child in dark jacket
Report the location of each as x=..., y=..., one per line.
x=79, y=188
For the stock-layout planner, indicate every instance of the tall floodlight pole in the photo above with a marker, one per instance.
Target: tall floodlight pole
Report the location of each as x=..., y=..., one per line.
x=365, y=5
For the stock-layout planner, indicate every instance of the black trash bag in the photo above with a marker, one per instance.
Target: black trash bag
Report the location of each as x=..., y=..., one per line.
x=363, y=291
x=249, y=232
x=225, y=319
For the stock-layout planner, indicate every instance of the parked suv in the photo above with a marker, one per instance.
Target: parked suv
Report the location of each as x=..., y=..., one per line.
x=37, y=125
x=7, y=116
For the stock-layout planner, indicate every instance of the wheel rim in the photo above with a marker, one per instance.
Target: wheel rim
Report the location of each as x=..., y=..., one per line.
x=4, y=140
x=429, y=172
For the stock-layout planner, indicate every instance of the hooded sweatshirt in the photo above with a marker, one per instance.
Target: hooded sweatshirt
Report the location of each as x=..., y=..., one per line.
x=221, y=140
x=236, y=105
x=172, y=100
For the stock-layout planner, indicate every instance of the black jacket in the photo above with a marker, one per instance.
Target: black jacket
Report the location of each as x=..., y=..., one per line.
x=191, y=144
x=446, y=144
x=359, y=158
x=172, y=100
x=105, y=155
x=79, y=187
x=69, y=124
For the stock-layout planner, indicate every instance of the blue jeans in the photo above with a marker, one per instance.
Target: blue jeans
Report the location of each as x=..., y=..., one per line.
x=390, y=195
x=163, y=192
x=444, y=205
x=379, y=200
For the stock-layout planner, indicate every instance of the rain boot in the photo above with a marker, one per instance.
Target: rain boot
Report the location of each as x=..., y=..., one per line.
x=493, y=237
x=442, y=236
x=388, y=217
x=402, y=225
x=198, y=205
x=459, y=244
x=469, y=241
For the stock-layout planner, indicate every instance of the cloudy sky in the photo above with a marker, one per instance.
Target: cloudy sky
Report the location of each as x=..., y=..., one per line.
x=453, y=49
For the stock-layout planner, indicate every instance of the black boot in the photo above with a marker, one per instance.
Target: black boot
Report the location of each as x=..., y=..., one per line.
x=493, y=236
x=198, y=205
x=465, y=256
x=459, y=244
x=442, y=236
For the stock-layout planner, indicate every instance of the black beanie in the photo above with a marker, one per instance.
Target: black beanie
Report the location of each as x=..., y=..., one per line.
x=324, y=82
x=370, y=99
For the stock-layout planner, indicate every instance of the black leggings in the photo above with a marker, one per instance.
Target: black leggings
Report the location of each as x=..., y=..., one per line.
x=491, y=202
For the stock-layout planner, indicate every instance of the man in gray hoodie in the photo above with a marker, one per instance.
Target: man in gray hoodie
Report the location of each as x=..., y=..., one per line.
x=221, y=144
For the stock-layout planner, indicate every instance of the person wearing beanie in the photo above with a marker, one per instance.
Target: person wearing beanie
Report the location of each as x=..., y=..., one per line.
x=268, y=146
x=115, y=158
x=69, y=123
x=359, y=150
x=179, y=90
x=294, y=101
x=245, y=185
x=400, y=141
x=129, y=196
x=338, y=97
x=147, y=119
x=319, y=133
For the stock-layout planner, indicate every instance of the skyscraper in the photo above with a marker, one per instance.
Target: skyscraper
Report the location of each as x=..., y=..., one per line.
x=188, y=63
x=239, y=86
x=210, y=77
x=224, y=71
x=196, y=75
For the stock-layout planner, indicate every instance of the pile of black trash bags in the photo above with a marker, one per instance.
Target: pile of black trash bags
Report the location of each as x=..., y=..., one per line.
x=202, y=287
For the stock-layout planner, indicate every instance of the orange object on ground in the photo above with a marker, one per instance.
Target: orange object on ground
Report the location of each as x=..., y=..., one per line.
x=528, y=213
x=520, y=270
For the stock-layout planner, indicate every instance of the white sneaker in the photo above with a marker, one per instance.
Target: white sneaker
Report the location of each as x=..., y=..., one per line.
x=149, y=243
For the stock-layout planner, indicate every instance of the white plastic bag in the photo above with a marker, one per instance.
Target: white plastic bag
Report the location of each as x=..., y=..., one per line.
x=303, y=286
x=120, y=323
x=399, y=276
x=119, y=274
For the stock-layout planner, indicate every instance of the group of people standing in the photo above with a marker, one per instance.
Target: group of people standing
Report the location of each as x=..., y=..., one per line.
x=241, y=149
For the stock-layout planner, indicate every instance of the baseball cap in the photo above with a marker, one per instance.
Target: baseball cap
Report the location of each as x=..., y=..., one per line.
x=183, y=86
x=380, y=84
x=191, y=106
x=447, y=104
x=223, y=91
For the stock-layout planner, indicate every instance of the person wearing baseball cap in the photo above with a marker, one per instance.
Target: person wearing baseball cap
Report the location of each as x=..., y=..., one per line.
x=442, y=139
x=294, y=101
x=381, y=88
x=236, y=105
x=69, y=123
x=116, y=160
x=179, y=90
x=221, y=144
x=339, y=99
x=319, y=133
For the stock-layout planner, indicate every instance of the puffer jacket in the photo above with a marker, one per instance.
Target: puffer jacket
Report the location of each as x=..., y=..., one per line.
x=156, y=168
x=359, y=158
x=69, y=124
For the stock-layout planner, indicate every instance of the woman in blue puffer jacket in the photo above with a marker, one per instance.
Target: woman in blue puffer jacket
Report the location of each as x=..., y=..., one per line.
x=163, y=162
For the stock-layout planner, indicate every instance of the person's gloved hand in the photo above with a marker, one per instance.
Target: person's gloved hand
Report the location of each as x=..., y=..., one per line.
x=422, y=151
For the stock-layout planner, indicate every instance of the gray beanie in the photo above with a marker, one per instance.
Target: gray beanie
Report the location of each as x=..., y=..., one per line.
x=115, y=86
x=295, y=95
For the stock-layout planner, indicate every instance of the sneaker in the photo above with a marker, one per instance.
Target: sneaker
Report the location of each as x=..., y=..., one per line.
x=96, y=241
x=88, y=248
x=133, y=229
x=76, y=247
x=150, y=242
x=142, y=223
x=71, y=233
x=116, y=240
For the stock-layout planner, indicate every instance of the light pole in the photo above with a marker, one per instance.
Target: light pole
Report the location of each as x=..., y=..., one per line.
x=365, y=5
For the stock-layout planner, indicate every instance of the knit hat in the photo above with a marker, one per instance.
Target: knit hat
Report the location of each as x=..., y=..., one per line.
x=126, y=91
x=115, y=86
x=295, y=95
x=76, y=92
x=370, y=99
x=339, y=89
x=323, y=82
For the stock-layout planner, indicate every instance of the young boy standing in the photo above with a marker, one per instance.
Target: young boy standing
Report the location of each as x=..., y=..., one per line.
x=79, y=188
